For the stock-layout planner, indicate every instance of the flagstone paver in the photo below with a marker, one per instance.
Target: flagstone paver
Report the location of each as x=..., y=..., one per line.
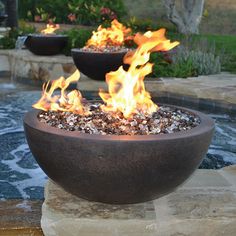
x=205, y=205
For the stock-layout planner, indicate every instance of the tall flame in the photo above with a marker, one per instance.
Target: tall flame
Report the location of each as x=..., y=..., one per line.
x=51, y=28
x=126, y=90
x=71, y=102
x=112, y=36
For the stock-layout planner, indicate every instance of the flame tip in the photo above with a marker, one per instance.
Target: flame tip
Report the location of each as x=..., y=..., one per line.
x=114, y=35
x=50, y=28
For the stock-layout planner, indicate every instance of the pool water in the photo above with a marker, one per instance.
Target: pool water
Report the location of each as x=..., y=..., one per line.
x=20, y=175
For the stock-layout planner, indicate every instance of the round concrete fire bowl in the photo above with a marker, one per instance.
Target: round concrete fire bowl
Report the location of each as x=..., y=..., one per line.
x=46, y=45
x=96, y=65
x=118, y=169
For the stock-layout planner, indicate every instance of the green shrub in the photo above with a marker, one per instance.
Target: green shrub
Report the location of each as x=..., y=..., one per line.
x=229, y=63
x=77, y=39
x=9, y=41
x=25, y=28
x=44, y=9
x=184, y=63
x=93, y=12
x=165, y=67
x=88, y=12
x=143, y=25
x=205, y=63
x=193, y=57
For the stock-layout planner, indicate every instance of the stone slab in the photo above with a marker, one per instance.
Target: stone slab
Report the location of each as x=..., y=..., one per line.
x=20, y=218
x=229, y=173
x=206, y=179
x=4, y=63
x=205, y=205
x=24, y=64
x=65, y=213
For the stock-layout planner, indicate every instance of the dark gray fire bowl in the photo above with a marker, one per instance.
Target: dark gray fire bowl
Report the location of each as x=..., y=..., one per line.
x=96, y=65
x=46, y=45
x=118, y=169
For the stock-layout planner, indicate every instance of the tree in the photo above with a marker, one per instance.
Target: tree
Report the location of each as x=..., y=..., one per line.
x=11, y=9
x=188, y=15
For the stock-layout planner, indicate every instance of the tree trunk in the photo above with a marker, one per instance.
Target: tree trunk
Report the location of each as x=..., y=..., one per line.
x=188, y=17
x=12, y=12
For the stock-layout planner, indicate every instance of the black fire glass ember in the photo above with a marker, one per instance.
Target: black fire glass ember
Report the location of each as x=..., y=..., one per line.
x=118, y=169
x=46, y=44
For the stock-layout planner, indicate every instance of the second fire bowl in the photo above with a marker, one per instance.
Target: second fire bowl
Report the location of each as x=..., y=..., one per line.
x=46, y=45
x=96, y=65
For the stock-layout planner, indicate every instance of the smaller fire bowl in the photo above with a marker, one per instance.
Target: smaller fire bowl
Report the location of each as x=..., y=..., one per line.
x=46, y=45
x=118, y=169
x=96, y=65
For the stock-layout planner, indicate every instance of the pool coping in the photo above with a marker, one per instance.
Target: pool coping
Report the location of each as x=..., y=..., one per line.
x=214, y=93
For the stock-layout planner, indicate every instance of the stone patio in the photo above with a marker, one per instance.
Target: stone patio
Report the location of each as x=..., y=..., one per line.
x=205, y=205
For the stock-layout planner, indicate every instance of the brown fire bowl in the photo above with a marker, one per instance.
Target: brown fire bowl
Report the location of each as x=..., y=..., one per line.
x=118, y=169
x=46, y=45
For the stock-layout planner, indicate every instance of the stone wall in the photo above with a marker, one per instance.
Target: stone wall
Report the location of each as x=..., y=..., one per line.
x=24, y=64
x=219, y=17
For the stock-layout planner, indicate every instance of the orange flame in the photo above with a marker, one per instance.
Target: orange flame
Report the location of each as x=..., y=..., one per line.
x=126, y=90
x=113, y=36
x=51, y=28
x=71, y=102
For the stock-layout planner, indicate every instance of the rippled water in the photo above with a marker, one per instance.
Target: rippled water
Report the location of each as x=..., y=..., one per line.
x=20, y=176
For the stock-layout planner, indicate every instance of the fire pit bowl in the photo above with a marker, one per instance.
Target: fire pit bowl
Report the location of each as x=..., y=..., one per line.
x=95, y=65
x=118, y=169
x=46, y=45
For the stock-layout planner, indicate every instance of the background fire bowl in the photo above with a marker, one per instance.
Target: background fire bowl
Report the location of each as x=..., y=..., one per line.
x=46, y=45
x=96, y=65
x=118, y=169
